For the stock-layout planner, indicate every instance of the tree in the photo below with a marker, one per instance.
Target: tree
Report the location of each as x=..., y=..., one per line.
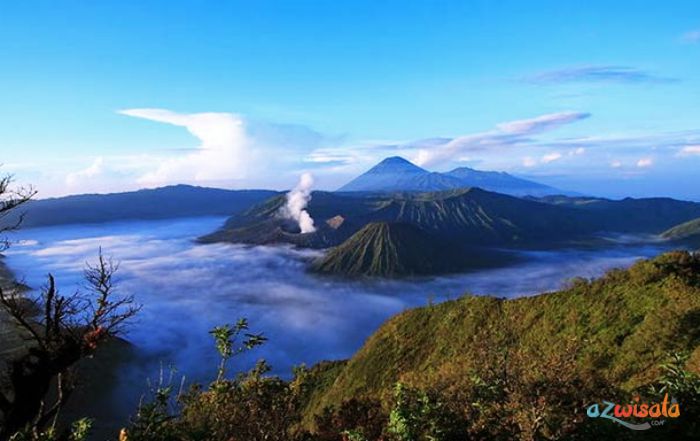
x=251, y=406
x=65, y=330
x=62, y=329
x=11, y=199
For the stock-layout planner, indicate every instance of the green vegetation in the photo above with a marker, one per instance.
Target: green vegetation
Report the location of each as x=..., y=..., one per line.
x=621, y=326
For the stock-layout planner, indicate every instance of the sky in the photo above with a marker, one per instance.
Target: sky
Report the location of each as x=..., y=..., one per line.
x=595, y=97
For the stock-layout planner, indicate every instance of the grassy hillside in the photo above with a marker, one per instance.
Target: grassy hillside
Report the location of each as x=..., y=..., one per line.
x=618, y=329
x=687, y=231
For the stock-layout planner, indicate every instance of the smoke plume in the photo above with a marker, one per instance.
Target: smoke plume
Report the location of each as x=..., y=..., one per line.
x=297, y=199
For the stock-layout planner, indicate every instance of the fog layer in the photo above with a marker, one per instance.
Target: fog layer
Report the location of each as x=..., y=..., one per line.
x=187, y=288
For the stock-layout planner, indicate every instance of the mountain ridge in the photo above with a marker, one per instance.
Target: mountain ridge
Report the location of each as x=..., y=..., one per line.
x=398, y=174
x=159, y=203
x=470, y=216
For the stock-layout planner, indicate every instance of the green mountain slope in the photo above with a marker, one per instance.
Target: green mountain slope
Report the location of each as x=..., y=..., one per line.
x=619, y=328
x=395, y=249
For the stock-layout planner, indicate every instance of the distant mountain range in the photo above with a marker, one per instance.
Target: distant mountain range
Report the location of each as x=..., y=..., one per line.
x=159, y=203
x=630, y=215
x=396, y=174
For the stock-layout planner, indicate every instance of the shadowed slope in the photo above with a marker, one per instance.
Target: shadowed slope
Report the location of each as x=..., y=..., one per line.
x=391, y=249
x=160, y=203
x=471, y=216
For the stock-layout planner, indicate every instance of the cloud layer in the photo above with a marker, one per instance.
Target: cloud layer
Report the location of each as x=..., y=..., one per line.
x=80, y=177
x=598, y=74
x=506, y=134
x=235, y=152
x=222, y=155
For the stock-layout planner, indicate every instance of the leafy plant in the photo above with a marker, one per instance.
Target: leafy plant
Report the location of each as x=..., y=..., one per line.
x=226, y=336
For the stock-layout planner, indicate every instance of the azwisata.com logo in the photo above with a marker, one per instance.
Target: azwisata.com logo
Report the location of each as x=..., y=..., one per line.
x=639, y=411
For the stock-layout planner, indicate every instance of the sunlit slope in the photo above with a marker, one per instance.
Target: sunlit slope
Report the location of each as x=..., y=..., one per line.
x=621, y=326
x=687, y=233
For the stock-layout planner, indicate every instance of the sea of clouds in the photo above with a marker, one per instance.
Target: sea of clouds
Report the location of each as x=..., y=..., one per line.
x=187, y=288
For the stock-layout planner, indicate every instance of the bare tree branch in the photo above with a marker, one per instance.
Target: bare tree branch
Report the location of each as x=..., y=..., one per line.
x=68, y=329
x=12, y=198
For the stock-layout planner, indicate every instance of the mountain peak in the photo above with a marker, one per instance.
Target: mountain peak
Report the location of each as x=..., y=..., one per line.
x=396, y=164
x=392, y=174
x=387, y=249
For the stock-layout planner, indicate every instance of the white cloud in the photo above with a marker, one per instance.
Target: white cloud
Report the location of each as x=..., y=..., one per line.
x=616, y=164
x=541, y=123
x=328, y=156
x=691, y=150
x=94, y=170
x=645, y=162
x=529, y=162
x=222, y=155
x=506, y=134
x=578, y=152
x=550, y=157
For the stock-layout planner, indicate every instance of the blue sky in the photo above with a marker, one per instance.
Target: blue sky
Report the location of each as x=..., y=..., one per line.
x=596, y=97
